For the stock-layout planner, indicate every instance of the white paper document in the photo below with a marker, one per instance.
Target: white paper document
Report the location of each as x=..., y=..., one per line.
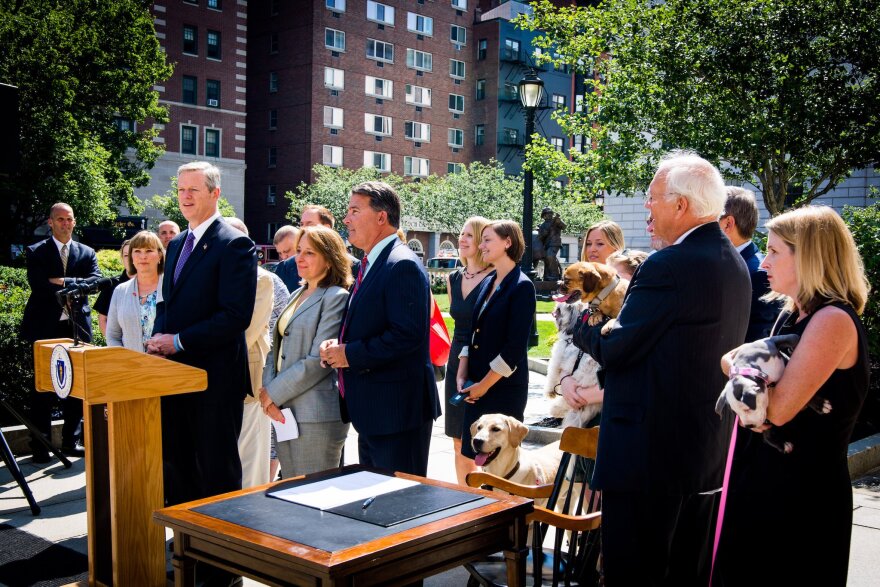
x=329, y=493
x=287, y=431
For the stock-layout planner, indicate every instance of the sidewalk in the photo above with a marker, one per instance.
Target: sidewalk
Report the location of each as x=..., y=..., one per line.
x=61, y=495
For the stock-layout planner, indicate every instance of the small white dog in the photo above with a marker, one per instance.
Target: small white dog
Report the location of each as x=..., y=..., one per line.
x=565, y=359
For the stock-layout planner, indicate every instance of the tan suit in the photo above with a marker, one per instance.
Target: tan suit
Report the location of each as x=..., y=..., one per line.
x=253, y=442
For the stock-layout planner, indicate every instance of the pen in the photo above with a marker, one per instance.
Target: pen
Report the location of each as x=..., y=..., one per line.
x=368, y=502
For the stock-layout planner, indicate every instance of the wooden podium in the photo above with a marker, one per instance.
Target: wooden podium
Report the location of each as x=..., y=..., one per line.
x=120, y=390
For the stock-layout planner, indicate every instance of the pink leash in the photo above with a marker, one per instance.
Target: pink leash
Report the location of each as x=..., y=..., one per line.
x=724, y=489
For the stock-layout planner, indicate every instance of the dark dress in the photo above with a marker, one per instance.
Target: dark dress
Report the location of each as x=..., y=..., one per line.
x=500, y=338
x=788, y=519
x=461, y=309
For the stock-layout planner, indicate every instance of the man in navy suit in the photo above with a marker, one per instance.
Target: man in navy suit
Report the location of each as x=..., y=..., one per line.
x=53, y=264
x=385, y=374
x=285, y=243
x=209, y=290
x=662, y=448
x=739, y=221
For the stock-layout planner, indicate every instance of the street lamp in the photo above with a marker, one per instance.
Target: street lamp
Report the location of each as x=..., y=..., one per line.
x=531, y=90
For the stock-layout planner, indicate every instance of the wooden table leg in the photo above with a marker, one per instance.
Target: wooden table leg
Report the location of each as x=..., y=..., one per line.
x=517, y=555
x=184, y=566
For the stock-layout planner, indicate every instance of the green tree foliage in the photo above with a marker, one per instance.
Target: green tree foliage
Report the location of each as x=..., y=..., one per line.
x=167, y=206
x=442, y=203
x=864, y=223
x=779, y=92
x=80, y=66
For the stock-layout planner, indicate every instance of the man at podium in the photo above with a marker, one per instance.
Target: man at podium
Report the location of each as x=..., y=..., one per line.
x=209, y=291
x=53, y=264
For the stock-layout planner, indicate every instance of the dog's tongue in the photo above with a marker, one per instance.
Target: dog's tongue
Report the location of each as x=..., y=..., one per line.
x=481, y=458
x=559, y=297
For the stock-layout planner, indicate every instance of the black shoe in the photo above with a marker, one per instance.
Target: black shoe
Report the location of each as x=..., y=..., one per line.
x=73, y=450
x=40, y=457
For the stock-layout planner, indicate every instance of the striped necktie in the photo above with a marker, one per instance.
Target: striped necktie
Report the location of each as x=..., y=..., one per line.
x=64, y=255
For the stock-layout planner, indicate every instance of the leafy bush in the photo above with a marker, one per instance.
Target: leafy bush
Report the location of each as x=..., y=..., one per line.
x=109, y=262
x=864, y=223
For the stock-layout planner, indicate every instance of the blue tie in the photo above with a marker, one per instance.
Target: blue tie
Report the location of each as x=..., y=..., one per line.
x=184, y=255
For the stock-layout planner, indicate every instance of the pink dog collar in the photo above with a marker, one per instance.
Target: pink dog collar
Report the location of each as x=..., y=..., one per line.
x=749, y=372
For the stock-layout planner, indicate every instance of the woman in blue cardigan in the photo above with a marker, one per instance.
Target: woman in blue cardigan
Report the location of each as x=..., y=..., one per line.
x=496, y=360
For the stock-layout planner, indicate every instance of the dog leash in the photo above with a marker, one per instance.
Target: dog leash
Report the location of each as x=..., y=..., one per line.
x=724, y=489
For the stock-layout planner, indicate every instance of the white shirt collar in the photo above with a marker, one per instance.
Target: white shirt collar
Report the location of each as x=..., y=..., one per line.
x=59, y=244
x=377, y=250
x=743, y=246
x=202, y=228
x=685, y=235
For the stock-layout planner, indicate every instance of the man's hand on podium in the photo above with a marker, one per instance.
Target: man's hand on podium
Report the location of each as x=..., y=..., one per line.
x=161, y=344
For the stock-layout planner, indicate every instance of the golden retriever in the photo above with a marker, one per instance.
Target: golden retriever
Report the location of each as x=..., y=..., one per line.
x=496, y=439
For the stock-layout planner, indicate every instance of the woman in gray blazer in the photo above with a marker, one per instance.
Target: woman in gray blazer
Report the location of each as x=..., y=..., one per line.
x=133, y=305
x=294, y=376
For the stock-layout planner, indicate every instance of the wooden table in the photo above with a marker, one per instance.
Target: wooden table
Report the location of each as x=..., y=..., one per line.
x=398, y=558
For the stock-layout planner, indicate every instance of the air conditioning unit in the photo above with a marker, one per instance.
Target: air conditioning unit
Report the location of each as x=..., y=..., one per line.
x=213, y=102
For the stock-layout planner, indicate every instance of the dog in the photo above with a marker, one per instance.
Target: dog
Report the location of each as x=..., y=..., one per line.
x=567, y=359
x=497, y=440
x=595, y=284
x=757, y=366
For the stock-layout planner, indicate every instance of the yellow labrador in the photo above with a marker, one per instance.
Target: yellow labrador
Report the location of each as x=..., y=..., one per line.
x=496, y=439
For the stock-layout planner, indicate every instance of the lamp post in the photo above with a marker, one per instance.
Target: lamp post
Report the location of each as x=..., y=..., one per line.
x=531, y=90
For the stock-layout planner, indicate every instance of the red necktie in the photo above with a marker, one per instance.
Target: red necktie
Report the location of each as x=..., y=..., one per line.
x=357, y=284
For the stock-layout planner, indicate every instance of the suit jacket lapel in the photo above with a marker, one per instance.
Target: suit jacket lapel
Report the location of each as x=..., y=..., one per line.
x=309, y=302
x=375, y=270
x=199, y=251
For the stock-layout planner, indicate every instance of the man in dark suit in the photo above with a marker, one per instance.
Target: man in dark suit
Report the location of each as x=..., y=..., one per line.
x=285, y=244
x=209, y=290
x=738, y=221
x=385, y=373
x=662, y=448
x=52, y=265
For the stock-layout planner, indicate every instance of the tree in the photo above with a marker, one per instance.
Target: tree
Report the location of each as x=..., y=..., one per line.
x=167, y=206
x=82, y=68
x=783, y=93
x=442, y=203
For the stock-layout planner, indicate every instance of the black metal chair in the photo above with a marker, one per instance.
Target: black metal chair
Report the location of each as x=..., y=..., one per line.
x=573, y=558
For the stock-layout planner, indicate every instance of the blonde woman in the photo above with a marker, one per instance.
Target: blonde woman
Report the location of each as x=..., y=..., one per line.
x=462, y=287
x=133, y=305
x=602, y=239
x=813, y=265
x=294, y=376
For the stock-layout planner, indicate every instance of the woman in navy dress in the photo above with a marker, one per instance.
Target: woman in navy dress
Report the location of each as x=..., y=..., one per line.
x=462, y=286
x=496, y=360
x=788, y=517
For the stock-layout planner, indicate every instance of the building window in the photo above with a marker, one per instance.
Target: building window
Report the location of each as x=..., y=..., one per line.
x=417, y=131
x=380, y=51
x=459, y=4
x=335, y=5
x=273, y=82
x=456, y=68
x=271, y=229
x=273, y=119
x=510, y=50
x=332, y=117
x=190, y=90
x=190, y=40
x=557, y=143
x=454, y=168
x=212, y=142
x=124, y=124
x=273, y=43
x=482, y=49
x=456, y=103
x=578, y=143
x=456, y=138
x=479, y=134
x=511, y=91
x=380, y=13
x=215, y=4
x=334, y=39
x=214, y=45
x=419, y=60
x=334, y=78
x=381, y=161
x=273, y=156
x=188, y=140
x=332, y=156
x=375, y=124
x=378, y=87
x=416, y=166
x=212, y=93
x=481, y=89
x=415, y=245
x=579, y=103
x=418, y=95
x=510, y=136
x=271, y=190
x=458, y=35
x=558, y=101
x=417, y=23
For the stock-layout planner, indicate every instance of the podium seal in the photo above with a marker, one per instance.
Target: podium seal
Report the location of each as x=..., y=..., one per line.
x=61, y=371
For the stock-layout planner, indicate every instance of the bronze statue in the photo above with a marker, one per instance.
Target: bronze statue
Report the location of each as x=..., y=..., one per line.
x=550, y=238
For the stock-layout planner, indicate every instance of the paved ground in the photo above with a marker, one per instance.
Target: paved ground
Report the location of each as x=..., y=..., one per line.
x=61, y=494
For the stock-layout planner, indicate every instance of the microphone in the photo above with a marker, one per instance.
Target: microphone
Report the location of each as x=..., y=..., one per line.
x=83, y=288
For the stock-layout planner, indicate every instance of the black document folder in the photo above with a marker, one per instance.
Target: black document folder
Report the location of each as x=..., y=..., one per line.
x=406, y=504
